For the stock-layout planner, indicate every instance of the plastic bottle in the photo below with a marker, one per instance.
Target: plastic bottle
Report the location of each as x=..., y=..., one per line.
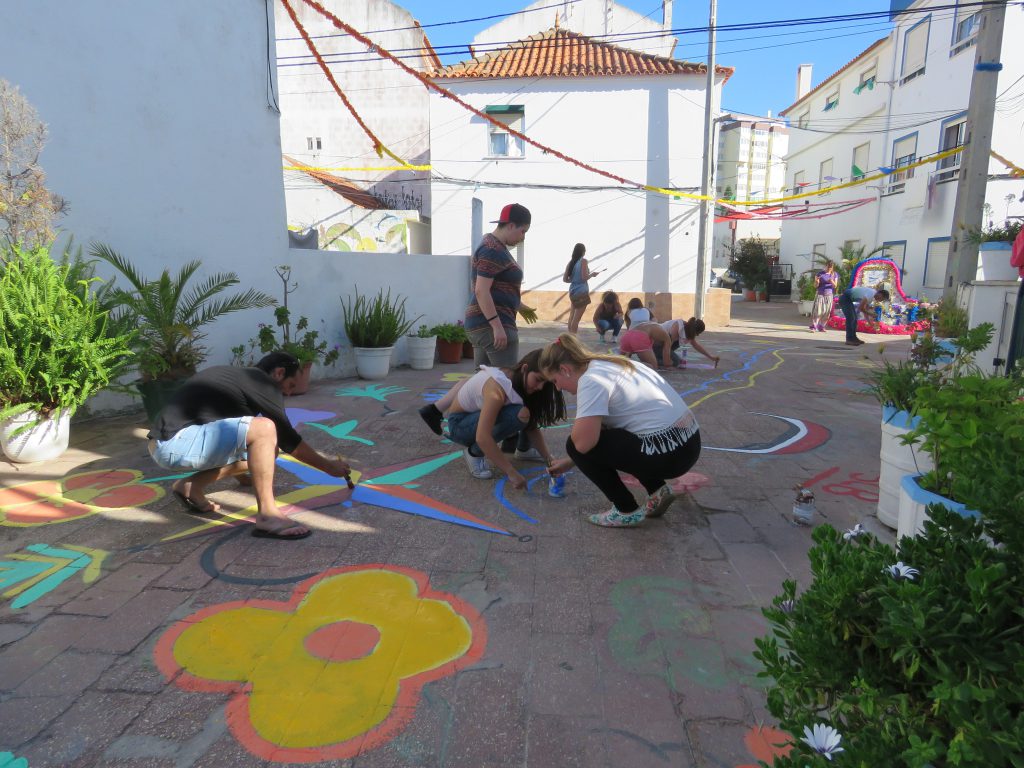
x=556, y=488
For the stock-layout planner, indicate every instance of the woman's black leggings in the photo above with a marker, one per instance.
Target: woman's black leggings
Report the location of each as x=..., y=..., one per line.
x=617, y=450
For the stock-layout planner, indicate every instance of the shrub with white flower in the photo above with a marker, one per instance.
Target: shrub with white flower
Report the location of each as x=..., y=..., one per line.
x=901, y=571
x=824, y=739
x=853, y=533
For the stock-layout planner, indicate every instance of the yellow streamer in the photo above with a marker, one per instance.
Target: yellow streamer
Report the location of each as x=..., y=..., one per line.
x=353, y=168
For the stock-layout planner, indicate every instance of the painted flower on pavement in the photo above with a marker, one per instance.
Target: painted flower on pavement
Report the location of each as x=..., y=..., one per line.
x=55, y=501
x=335, y=671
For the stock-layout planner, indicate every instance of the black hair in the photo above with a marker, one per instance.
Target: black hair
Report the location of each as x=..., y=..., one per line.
x=577, y=254
x=279, y=359
x=546, y=405
x=693, y=328
x=884, y=294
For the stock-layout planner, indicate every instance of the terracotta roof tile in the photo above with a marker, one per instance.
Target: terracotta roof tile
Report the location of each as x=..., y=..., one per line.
x=343, y=187
x=561, y=53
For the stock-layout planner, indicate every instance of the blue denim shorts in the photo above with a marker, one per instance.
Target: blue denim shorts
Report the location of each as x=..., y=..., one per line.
x=462, y=426
x=204, y=446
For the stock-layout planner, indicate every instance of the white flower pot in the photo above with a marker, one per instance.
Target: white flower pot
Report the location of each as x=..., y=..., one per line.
x=914, y=501
x=373, y=362
x=994, y=261
x=421, y=352
x=806, y=307
x=47, y=440
x=897, y=460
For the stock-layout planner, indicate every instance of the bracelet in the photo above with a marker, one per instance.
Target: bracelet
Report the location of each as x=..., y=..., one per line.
x=488, y=319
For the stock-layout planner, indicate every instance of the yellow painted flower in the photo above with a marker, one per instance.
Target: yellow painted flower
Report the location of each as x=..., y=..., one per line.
x=335, y=671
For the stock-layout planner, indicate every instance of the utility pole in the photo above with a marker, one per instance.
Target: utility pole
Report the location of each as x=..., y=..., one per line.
x=962, y=264
x=707, y=186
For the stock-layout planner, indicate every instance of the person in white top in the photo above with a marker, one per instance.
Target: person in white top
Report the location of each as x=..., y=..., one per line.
x=636, y=312
x=629, y=419
x=684, y=332
x=495, y=404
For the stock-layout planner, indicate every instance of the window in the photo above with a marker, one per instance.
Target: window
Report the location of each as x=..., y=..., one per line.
x=825, y=176
x=803, y=119
x=501, y=143
x=832, y=100
x=915, y=50
x=817, y=253
x=798, y=182
x=935, y=262
x=858, y=168
x=851, y=245
x=904, y=152
x=897, y=251
x=966, y=23
x=952, y=136
x=867, y=80
x=313, y=142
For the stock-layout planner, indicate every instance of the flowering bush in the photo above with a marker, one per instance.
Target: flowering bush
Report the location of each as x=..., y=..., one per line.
x=901, y=657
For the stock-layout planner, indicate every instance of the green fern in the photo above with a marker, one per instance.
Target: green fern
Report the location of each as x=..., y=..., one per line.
x=56, y=346
x=169, y=314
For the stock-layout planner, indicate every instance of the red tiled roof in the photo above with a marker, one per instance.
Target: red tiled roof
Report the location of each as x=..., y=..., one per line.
x=428, y=51
x=561, y=53
x=835, y=74
x=343, y=187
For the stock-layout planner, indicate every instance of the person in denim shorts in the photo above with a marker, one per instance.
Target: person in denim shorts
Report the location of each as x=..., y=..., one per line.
x=227, y=420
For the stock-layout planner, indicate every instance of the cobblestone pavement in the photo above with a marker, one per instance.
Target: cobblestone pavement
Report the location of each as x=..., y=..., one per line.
x=432, y=619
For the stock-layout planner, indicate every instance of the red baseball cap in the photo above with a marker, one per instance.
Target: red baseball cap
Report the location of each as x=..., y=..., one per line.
x=514, y=213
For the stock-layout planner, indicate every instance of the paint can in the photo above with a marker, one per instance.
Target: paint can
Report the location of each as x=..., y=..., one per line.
x=803, y=512
x=556, y=488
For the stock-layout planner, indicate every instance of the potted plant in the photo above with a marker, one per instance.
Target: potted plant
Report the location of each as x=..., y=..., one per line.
x=905, y=656
x=373, y=325
x=169, y=316
x=57, y=348
x=307, y=346
x=450, y=339
x=994, y=247
x=807, y=291
x=422, y=346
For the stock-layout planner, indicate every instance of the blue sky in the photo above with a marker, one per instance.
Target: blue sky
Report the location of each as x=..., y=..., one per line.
x=765, y=60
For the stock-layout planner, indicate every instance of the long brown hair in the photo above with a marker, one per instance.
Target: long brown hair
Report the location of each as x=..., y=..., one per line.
x=546, y=405
x=577, y=254
x=693, y=328
x=569, y=351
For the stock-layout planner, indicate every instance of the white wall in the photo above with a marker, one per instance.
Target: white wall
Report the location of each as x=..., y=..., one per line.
x=646, y=129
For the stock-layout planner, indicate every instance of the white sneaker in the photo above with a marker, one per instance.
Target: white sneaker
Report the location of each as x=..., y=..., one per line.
x=477, y=465
x=530, y=454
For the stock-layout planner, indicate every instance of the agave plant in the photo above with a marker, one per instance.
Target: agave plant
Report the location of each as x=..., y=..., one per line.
x=169, y=315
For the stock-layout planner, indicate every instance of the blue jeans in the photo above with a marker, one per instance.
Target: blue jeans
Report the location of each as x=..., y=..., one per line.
x=204, y=446
x=614, y=325
x=850, y=314
x=462, y=426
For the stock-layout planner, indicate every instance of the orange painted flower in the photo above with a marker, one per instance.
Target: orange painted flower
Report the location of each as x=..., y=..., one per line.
x=766, y=744
x=54, y=501
x=335, y=671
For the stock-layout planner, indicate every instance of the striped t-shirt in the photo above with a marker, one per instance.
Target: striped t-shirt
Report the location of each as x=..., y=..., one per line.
x=492, y=259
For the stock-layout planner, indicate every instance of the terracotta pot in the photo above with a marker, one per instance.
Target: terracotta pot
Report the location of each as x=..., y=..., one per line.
x=449, y=351
x=749, y=296
x=467, y=350
x=302, y=380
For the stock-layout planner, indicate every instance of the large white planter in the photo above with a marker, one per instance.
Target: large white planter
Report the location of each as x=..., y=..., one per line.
x=994, y=262
x=914, y=501
x=373, y=362
x=421, y=352
x=897, y=460
x=47, y=440
x=806, y=307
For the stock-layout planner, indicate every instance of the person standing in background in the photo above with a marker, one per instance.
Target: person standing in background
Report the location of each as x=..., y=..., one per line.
x=577, y=273
x=826, y=284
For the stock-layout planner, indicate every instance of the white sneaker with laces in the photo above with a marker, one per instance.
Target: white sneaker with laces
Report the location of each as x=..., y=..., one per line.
x=477, y=465
x=530, y=454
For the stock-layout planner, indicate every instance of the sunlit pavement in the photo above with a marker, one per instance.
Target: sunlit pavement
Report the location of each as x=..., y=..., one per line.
x=432, y=619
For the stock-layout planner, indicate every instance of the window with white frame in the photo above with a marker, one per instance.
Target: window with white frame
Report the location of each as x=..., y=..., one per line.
x=897, y=251
x=799, y=182
x=915, y=50
x=803, y=119
x=859, y=164
x=313, y=143
x=867, y=80
x=953, y=135
x=825, y=173
x=966, y=23
x=851, y=245
x=832, y=101
x=904, y=153
x=935, y=263
x=818, y=253
x=500, y=142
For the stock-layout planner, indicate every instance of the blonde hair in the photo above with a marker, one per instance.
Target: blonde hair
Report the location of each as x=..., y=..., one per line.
x=569, y=351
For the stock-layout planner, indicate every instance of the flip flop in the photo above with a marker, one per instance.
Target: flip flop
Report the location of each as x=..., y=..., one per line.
x=260, y=533
x=192, y=507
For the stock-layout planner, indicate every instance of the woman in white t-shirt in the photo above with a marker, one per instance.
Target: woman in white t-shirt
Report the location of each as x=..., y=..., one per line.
x=628, y=419
x=682, y=332
x=495, y=404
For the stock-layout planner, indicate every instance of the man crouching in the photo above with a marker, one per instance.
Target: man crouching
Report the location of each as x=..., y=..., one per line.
x=228, y=420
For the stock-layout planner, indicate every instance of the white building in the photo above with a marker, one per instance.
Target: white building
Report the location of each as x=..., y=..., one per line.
x=634, y=115
x=317, y=130
x=750, y=166
x=903, y=98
